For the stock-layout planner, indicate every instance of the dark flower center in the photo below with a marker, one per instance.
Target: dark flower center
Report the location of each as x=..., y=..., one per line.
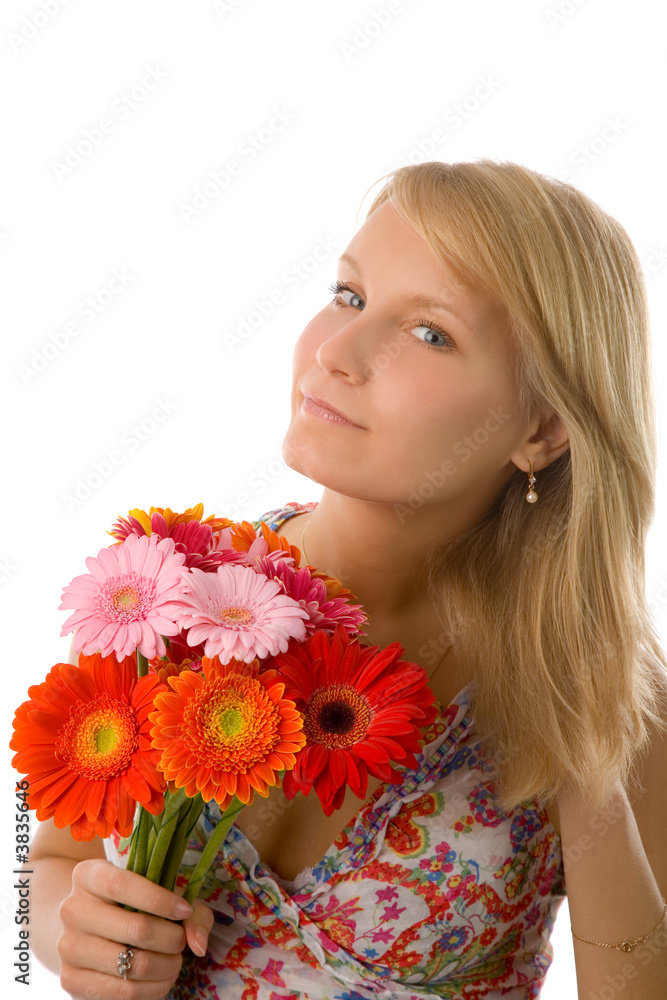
x=336, y=717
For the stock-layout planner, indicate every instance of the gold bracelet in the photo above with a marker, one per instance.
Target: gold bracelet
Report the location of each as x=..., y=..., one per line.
x=626, y=945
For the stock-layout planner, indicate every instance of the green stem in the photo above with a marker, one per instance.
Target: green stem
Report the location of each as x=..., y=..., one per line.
x=170, y=817
x=142, y=665
x=141, y=855
x=211, y=850
x=152, y=837
x=179, y=843
x=133, y=849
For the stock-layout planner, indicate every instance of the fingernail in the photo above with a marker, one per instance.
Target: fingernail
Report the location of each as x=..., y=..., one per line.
x=182, y=909
x=201, y=941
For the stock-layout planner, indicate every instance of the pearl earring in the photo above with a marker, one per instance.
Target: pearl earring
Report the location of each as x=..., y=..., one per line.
x=531, y=495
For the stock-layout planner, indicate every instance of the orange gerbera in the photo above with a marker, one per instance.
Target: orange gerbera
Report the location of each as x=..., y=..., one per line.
x=83, y=742
x=227, y=731
x=168, y=668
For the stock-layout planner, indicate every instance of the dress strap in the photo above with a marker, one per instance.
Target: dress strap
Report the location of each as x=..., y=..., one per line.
x=275, y=518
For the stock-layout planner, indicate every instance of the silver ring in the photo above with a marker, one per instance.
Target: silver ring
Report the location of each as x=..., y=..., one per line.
x=125, y=962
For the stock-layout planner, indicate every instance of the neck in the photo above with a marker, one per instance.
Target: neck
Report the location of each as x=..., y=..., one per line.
x=365, y=546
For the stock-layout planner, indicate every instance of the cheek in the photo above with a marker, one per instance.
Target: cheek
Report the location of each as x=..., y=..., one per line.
x=428, y=421
x=309, y=340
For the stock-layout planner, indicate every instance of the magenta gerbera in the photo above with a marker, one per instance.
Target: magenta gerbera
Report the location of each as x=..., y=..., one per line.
x=125, y=602
x=310, y=592
x=238, y=613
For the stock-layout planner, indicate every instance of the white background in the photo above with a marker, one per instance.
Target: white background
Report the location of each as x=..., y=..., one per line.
x=520, y=82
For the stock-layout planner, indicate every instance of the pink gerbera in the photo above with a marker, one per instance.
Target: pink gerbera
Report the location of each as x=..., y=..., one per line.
x=238, y=613
x=265, y=560
x=125, y=602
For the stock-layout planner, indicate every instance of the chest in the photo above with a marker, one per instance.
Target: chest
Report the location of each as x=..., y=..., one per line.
x=292, y=835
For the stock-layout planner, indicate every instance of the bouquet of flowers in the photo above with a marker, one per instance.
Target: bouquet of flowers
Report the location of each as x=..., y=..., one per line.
x=212, y=665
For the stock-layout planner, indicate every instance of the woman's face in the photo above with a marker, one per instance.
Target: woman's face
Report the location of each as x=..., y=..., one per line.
x=434, y=422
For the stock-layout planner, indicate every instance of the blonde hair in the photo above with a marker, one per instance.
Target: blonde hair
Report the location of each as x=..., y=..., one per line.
x=548, y=599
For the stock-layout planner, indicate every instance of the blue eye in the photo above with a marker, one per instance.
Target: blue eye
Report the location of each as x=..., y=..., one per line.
x=337, y=287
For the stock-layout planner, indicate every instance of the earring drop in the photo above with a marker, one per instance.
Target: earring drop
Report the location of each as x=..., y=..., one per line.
x=531, y=495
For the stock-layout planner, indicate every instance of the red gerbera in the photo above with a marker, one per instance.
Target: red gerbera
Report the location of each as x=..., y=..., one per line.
x=83, y=740
x=363, y=708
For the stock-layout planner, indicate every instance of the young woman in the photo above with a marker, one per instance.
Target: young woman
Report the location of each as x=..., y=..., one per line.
x=477, y=403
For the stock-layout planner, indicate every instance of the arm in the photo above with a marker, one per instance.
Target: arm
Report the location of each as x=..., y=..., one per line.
x=616, y=872
x=78, y=929
x=53, y=855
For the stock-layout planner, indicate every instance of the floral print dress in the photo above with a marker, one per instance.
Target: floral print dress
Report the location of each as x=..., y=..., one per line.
x=430, y=890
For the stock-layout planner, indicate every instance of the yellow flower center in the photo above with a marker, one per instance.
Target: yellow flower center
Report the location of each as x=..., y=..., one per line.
x=99, y=739
x=231, y=721
x=126, y=598
x=106, y=740
x=236, y=616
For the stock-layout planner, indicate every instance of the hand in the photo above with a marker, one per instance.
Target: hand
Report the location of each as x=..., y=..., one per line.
x=95, y=930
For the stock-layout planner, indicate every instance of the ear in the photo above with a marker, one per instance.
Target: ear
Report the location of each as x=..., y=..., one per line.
x=547, y=442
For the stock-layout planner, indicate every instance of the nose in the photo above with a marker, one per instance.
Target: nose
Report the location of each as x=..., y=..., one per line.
x=350, y=350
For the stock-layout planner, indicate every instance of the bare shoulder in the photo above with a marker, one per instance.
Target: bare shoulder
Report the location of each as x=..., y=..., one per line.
x=653, y=762
x=648, y=788
x=647, y=791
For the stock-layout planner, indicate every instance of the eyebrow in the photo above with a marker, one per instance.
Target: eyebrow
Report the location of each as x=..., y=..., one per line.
x=425, y=301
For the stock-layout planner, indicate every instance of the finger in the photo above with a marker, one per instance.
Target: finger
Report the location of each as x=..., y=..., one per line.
x=86, y=951
x=102, y=878
x=198, y=926
x=84, y=983
x=94, y=916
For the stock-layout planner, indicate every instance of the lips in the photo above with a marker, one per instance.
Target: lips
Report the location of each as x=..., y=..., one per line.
x=329, y=406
